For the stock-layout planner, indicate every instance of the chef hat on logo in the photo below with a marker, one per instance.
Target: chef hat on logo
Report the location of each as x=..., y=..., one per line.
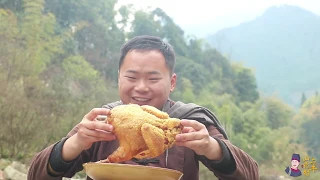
x=295, y=157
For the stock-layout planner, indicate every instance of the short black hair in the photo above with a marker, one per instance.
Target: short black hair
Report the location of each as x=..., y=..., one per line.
x=149, y=43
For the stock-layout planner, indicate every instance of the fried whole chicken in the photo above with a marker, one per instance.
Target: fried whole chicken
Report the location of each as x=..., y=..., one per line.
x=142, y=131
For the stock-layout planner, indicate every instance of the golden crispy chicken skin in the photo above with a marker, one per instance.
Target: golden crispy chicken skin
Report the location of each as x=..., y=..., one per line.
x=142, y=131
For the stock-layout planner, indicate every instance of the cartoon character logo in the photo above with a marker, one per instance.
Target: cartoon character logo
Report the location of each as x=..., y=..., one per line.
x=293, y=170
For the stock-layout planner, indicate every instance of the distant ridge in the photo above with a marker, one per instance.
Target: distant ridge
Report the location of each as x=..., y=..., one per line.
x=282, y=45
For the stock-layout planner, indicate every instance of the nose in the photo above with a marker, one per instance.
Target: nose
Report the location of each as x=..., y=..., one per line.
x=142, y=86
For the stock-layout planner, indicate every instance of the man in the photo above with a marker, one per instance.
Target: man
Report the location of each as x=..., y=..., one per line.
x=146, y=77
x=294, y=171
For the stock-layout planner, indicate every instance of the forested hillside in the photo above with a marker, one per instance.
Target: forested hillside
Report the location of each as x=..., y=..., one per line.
x=59, y=59
x=283, y=48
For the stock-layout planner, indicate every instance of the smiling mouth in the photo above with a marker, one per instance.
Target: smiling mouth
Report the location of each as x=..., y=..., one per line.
x=142, y=100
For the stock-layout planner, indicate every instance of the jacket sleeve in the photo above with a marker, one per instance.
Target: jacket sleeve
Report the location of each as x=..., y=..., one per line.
x=40, y=163
x=235, y=163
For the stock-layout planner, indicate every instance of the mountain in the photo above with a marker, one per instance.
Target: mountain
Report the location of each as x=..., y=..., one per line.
x=282, y=46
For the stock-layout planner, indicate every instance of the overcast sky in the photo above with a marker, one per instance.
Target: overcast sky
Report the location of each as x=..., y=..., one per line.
x=197, y=16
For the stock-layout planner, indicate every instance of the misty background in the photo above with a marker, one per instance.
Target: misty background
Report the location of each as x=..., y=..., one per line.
x=255, y=64
x=237, y=28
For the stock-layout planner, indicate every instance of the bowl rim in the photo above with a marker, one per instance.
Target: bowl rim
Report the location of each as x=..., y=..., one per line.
x=90, y=164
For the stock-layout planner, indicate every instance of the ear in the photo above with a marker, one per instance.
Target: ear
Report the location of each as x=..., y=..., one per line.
x=173, y=82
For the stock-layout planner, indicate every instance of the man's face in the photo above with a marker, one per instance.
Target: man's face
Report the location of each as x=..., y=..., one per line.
x=144, y=79
x=295, y=163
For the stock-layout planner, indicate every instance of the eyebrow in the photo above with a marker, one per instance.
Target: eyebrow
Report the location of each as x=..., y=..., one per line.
x=150, y=72
x=131, y=71
x=154, y=72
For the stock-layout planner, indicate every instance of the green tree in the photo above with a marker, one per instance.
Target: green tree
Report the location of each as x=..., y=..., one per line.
x=187, y=90
x=278, y=113
x=193, y=71
x=15, y=6
x=303, y=99
x=144, y=24
x=97, y=37
x=27, y=47
x=172, y=32
x=309, y=119
x=252, y=134
x=35, y=91
x=245, y=84
x=213, y=60
x=282, y=144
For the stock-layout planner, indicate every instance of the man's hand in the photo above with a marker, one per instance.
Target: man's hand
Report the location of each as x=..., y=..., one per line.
x=196, y=137
x=90, y=130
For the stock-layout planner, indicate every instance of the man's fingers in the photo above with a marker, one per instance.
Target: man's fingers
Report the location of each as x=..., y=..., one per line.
x=189, y=136
x=93, y=125
x=96, y=135
x=192, y=123
x=101, y=118
x=95, y=112
x=187, y=130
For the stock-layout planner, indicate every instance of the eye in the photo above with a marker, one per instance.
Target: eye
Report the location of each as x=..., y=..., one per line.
x=130, y=77
x=154, y=79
